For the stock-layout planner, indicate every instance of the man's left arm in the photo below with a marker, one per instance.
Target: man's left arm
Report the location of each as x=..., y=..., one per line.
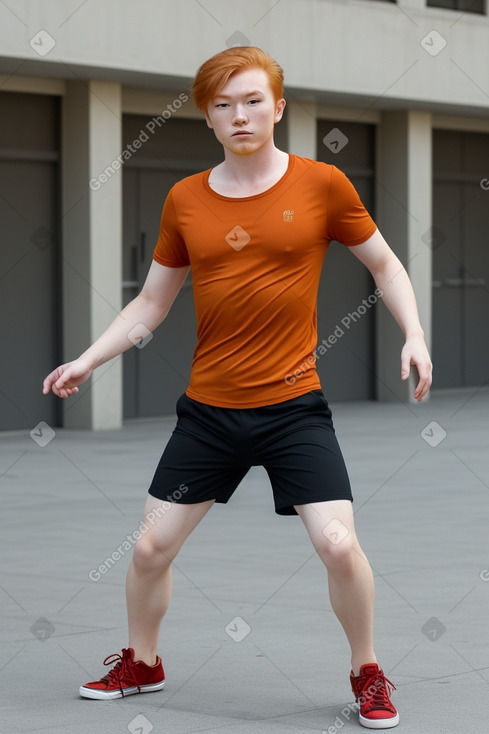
x=397, y=293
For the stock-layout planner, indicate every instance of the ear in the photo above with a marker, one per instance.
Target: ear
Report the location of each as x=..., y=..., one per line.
x=279, y=109
x=207, y=119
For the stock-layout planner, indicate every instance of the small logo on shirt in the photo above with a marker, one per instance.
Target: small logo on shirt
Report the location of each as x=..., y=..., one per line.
x=237, y=237
x=288, y=215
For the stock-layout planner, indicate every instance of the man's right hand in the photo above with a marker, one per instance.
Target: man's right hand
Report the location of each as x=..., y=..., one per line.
x=149, y=309
x=64, y=380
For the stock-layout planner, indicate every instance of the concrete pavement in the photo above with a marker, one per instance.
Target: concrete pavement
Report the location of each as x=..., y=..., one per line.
x=250, y=644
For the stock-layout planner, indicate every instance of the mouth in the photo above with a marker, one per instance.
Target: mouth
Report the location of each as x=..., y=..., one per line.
x=240, y=133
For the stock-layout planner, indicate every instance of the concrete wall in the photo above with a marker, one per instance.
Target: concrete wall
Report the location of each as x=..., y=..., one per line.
x=334, y=47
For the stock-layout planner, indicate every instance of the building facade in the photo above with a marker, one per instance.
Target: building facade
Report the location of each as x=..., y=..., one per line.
x=97, y=124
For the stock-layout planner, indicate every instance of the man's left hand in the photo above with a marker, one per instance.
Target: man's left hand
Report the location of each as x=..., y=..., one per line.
x=415, y=352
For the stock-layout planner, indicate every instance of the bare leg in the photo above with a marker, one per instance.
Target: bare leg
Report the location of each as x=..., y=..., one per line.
x=351, y=586
x=149, y=578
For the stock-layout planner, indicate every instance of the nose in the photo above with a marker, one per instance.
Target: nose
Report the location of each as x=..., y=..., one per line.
x=239, y=115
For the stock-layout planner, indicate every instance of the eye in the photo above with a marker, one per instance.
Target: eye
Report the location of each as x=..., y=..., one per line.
x=222, y=104
x=254, y=101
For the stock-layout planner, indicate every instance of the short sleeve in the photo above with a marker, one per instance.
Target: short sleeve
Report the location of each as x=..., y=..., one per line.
x=170, y=248
x=348, y=220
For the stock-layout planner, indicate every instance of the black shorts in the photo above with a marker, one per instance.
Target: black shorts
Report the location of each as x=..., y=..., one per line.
x=211, y=449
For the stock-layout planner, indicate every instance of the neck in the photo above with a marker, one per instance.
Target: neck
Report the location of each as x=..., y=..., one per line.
x=252, y=167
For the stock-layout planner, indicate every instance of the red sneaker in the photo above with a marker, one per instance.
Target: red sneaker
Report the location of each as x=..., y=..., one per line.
x=372, y=690
x=128, y=676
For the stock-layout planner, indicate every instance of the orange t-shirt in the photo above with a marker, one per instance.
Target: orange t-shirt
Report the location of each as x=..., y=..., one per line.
x=256, y=263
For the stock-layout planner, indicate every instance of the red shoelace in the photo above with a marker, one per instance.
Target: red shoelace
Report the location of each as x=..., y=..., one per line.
x=122, y=671
x=376, y=691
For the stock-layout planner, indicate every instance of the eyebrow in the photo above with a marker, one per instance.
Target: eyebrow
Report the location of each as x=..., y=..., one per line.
x=248, y=94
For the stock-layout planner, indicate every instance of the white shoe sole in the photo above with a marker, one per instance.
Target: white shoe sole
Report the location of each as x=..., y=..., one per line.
x=108, y=695
x=379, y=723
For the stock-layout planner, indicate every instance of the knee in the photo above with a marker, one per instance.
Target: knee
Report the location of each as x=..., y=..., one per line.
x=339, y=555
x=148, y=556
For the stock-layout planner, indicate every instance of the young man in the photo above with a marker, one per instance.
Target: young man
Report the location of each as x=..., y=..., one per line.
x=254, y=230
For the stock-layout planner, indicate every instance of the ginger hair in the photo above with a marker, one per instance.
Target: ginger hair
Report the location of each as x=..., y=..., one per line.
x=214, y=73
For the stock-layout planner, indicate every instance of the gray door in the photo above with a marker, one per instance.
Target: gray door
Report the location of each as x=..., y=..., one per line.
x=156, y=375
x=347, y=370
x=29, y=285
x=460, y=246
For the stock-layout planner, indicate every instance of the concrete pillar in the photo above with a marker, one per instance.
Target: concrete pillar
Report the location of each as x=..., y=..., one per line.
x=404, y=213
x=92, y=243
x=408, y=5
x=301, y=128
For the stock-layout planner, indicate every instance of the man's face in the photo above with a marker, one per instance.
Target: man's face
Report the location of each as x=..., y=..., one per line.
x=244, y=113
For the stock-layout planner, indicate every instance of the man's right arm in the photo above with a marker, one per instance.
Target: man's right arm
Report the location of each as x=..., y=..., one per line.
x=148, y=309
